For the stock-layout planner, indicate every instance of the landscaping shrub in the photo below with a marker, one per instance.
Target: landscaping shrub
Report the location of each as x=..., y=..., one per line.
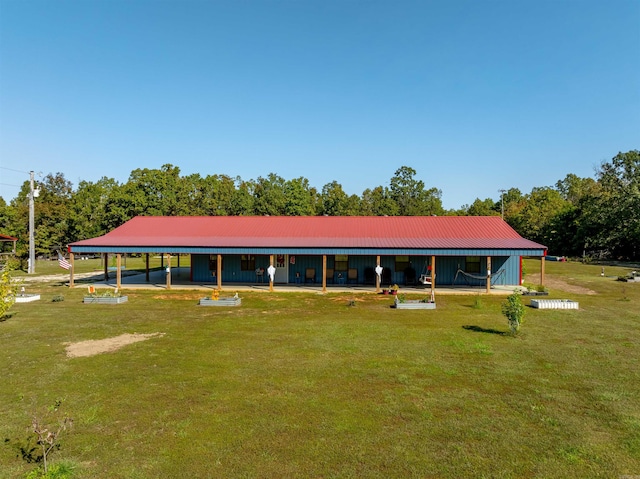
x=513, y=309
x=59, y=470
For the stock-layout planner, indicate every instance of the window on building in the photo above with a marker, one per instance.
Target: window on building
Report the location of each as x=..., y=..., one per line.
x=402, y=263
x=213, y=264
x=341, y=262
x=472, y=264
x=247, y=262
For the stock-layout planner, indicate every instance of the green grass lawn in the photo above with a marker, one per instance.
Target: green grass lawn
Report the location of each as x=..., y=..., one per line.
x=304, y=385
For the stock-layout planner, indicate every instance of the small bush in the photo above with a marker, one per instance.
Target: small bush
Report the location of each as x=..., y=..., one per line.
x=477, y=304
x=59, y=470
x=57, y=298
x=8, y=290
x=514, y=310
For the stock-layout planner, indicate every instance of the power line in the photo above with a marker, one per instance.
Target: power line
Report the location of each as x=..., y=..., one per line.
x=11, y=169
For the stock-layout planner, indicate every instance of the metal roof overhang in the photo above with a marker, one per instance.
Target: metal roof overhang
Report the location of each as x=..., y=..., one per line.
x=313, y=251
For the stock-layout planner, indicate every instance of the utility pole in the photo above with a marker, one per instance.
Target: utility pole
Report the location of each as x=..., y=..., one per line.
x=33, y=193
x=502, y=202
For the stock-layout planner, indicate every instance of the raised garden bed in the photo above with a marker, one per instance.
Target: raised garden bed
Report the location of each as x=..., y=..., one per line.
x=105, y=299
x=535, y=293
x=27, y=298
x=413, y=304
x=554, y=304
x=220, y=302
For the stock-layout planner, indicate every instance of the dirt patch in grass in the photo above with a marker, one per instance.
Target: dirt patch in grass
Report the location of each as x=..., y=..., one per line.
x=556, y=283
x=183, y=296
x=99, y=346
x=345, y=298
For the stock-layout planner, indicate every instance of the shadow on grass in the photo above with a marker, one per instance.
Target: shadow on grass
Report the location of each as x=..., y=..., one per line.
x=478, y=329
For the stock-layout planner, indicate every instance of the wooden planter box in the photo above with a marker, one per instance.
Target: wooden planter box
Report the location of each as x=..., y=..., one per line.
x=413, y=304
x=554, y=304
x=105, y=299
x=220, y=302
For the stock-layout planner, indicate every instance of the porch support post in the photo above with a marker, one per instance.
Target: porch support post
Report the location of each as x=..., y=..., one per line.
x=71, y=260
x=105, y=256
x=377, y=277
x=542, y=260
x=219, y=272
x=433, y=274
x=324, y=273
x=488, y=274
x=270, y=279
x=146, y=267
x=118, y=270
x=168, y=271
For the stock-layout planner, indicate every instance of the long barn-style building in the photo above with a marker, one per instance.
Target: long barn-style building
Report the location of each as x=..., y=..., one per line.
x=443, y=250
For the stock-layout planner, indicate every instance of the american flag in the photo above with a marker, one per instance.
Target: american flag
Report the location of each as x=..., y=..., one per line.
x=63, y=262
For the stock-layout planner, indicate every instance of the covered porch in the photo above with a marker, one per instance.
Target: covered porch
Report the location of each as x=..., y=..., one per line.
x=300, y=277
x=180, y=280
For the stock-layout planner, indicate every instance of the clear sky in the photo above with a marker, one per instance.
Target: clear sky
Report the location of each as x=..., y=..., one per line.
x=474, y=95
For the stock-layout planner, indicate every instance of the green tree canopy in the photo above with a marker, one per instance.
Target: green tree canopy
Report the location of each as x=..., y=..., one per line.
x=619, y=205
x=411, y=196
x=600, y=214
x=335, y=202
x=89, y=207
x=486, y=207
x=269, y=195
x=378, y=202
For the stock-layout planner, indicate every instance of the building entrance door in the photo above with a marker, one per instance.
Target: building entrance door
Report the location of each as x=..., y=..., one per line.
x=282, y=268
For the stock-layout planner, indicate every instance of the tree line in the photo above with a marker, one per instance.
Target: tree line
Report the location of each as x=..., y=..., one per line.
x=597, y=216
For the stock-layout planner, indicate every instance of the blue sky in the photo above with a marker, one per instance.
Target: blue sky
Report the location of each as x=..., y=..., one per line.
x=476, y=96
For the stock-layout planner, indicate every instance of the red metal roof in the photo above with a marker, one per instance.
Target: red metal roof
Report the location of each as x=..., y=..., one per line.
x=455, y=232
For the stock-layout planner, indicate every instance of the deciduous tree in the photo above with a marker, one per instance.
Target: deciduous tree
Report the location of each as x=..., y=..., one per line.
x=411, y=196
x=378, y=202
x=88, y=209
x=270, y=196
x=619, y=204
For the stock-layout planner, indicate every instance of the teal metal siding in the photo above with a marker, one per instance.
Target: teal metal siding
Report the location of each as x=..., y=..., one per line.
x=446, y=269
x=200, y=269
